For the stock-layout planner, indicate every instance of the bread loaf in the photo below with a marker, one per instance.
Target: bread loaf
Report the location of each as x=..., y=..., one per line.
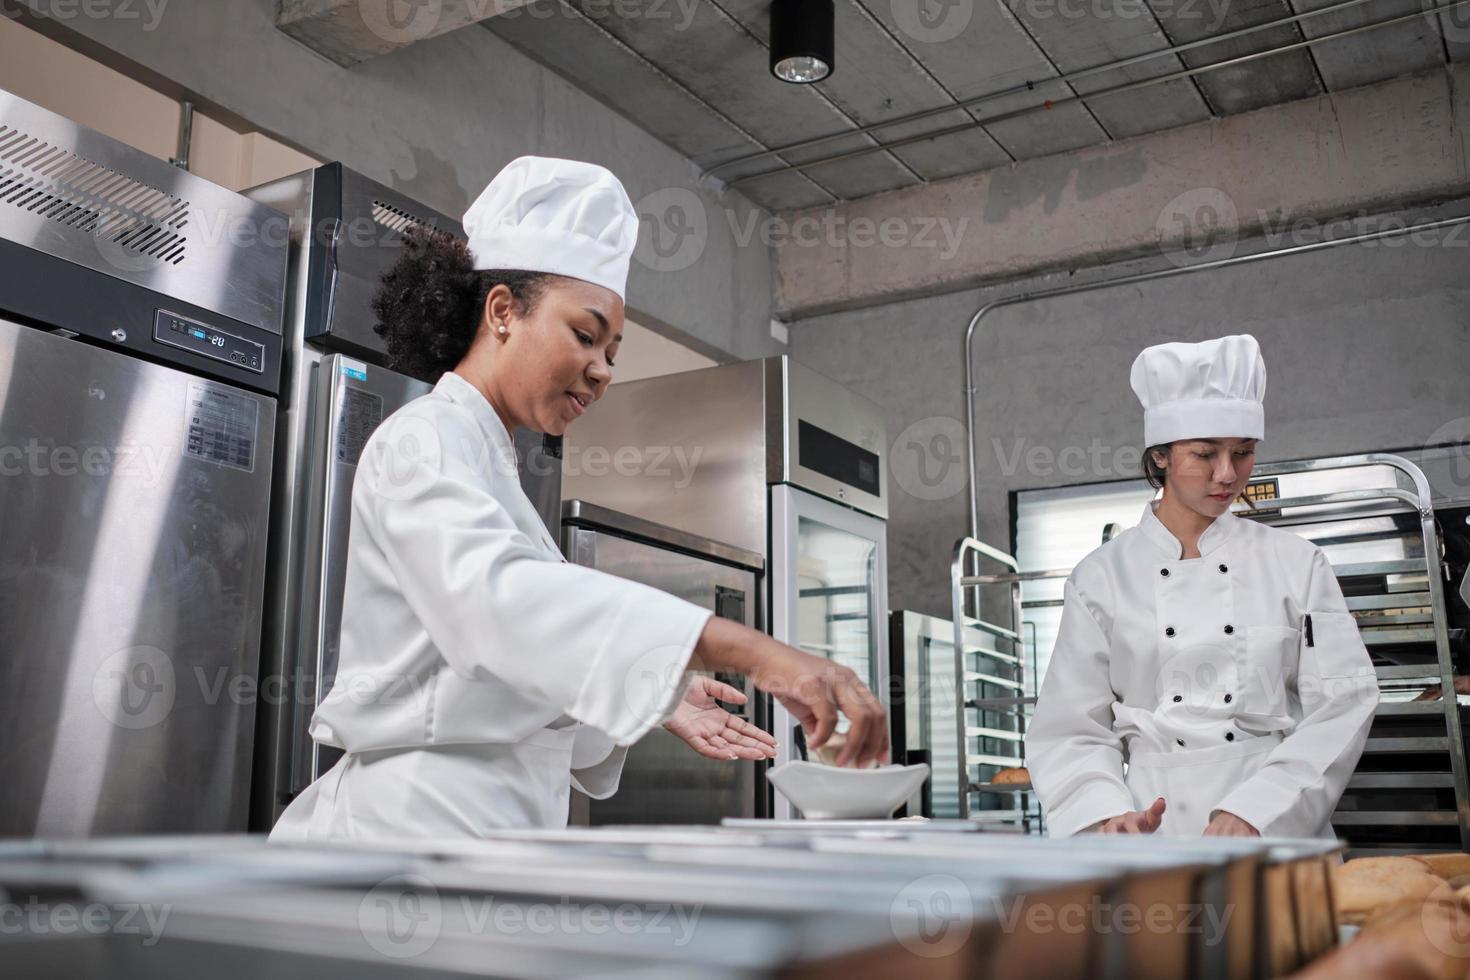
x=1011, y=777
x=1451, y=864
x=1364, y=884
x=1435, y=931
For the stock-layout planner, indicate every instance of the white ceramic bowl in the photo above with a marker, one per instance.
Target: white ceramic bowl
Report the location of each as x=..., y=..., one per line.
x=828, y=793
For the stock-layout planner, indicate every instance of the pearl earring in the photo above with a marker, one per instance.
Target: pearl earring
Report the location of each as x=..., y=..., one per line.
x=503, y=329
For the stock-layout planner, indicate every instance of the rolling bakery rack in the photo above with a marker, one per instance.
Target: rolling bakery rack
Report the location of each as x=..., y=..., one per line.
x=991, y=687
x=1372, y=514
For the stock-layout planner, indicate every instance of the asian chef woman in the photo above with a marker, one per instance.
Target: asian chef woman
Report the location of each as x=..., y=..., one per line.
x=480, y=676
x=1207, y=678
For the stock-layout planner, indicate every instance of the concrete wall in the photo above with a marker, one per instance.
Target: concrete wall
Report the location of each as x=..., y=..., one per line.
x=1391, y=145
x=1366, y=347
x=437, y=121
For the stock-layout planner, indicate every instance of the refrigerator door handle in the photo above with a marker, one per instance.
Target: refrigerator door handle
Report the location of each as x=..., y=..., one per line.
x=730, y=604
x=331, y=304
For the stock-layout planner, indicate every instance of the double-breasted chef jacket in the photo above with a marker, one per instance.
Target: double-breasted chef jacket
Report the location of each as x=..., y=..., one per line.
x=480, y=676
x=1236, y=681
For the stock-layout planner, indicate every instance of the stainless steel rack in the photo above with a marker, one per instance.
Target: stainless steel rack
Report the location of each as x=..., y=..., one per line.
x=1399, y=604
x=992, y=726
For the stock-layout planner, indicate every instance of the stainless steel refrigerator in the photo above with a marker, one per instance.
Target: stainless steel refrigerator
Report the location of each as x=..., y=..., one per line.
x=771, y=457
x=664, y=781
x=345, y=232
x=139, y=359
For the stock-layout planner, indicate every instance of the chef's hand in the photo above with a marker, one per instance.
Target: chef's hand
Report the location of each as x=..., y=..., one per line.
x=1226, y=824
x=815, y=690
x=1134, y=821
x=712, y=731
x=1462, y=686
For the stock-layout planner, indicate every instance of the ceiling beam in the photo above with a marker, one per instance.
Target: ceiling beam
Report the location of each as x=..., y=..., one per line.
x=1280, y=172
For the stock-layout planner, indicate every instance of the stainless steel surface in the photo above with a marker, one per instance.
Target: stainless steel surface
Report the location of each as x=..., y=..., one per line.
x=93, y=201
x=807, y=396
x=700, y=440
x=352, y=399
x=930, y=705
x=132, y=559
x=579, y=513
x=1394, y=780
x=901, y=899
x=988, y=308
x=1405, y=487
x=538, y=462
x=965, y=596
x=352, y=229
x=663, y=779
x=696, y=450
x=829, y=595
x=879, y=828
x=364, y=222
x=186, y=135
x=298, y=443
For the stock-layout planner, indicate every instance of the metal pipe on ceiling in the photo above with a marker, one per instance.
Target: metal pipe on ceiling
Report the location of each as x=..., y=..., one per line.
x=1131, y=280
x=1032, y=85
x=1112, y=90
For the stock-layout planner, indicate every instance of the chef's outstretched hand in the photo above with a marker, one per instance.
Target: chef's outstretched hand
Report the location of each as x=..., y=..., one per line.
x=815, y=690
x=1226, y=824
x=1134, y=821
x=712, y=731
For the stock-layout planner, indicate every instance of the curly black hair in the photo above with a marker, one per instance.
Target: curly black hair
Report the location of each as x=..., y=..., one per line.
x=429, y=303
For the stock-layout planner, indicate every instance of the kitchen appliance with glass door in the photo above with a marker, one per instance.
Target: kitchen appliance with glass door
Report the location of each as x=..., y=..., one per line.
x=665, y=781
x=140, y=318
x=345, y=232
x=771, y=457
x=924, y=711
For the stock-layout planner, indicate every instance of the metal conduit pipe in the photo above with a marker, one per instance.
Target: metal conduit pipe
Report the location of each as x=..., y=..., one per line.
x=1031, y=85
x=1131, y=280
x=1113, y=90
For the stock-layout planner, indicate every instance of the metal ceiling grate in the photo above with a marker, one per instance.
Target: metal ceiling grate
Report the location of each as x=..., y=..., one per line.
x=60, y=186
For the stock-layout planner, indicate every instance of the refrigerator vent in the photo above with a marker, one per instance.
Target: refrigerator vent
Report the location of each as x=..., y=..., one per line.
x=399, y=220
x=117, y=210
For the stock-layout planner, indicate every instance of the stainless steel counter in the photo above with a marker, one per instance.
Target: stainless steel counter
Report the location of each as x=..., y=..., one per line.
x=850, y=900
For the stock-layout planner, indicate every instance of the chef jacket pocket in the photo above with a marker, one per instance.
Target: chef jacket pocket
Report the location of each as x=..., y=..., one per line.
x=1336, y=645
x=1270, y=665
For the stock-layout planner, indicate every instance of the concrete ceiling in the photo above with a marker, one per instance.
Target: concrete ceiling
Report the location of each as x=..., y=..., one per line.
x=695, y=73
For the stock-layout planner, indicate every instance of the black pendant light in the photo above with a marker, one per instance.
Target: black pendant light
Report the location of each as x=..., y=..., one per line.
x=801, y=40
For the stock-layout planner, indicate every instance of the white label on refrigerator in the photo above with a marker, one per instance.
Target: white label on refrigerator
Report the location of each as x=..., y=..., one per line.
x=220, y=426
x=357, y=417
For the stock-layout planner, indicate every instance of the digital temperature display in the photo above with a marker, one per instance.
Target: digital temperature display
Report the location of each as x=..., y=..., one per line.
x=191, y=335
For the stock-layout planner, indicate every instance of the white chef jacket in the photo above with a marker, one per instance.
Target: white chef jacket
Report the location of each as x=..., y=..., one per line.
x=480, y=676
x=1234, y=681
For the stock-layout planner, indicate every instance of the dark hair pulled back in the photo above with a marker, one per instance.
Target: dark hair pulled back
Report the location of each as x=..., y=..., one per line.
x=1152, y=471
x=428, y=305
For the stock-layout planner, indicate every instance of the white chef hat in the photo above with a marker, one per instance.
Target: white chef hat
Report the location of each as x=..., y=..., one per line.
x=542, y=214
x=1209, y=390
